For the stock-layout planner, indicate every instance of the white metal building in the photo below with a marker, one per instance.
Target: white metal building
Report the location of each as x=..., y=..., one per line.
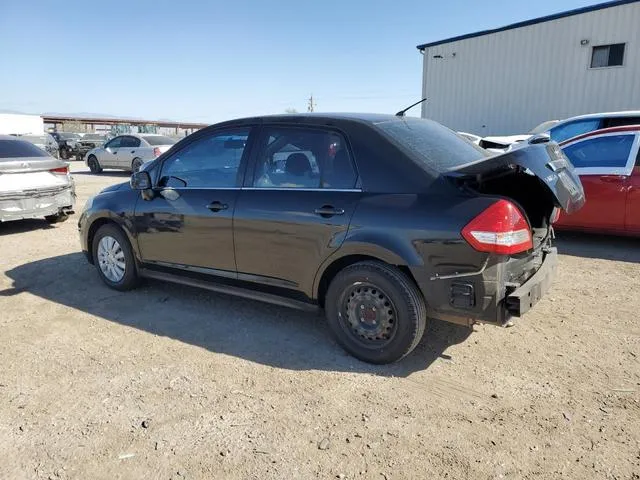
x=508, y=80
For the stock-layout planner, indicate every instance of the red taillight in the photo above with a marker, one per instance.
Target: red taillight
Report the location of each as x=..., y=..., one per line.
x=501, y=229
x=156, y=152
x=60, y=171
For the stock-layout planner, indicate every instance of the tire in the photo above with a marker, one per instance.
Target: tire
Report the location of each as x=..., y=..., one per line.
x=136, y=164
x=121, y=252
x=57, y=218
x=376, y=313
x=65, y=153
x=93, y=164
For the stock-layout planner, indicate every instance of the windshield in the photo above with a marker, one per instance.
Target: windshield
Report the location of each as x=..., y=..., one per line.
x=434, y=145
x=92, y=136
x=158, y=140
x=68, y=136
x=544, y=127
x=12, y=149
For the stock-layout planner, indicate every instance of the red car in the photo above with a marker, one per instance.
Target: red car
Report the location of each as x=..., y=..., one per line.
x=608, y=164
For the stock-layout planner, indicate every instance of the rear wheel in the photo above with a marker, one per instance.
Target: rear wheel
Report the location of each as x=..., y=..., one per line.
x=375, y=312
x=113, y=258
x=94, y=166
x=136, y=164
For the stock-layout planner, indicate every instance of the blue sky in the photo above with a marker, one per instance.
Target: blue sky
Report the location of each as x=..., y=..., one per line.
x=207, y=61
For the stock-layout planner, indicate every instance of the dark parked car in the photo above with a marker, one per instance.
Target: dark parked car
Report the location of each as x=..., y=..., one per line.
x=62, y=145
x=402, y=220
x=89, y=141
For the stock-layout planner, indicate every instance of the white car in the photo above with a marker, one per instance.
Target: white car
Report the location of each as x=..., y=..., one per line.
x=33, y=184
x=128, y=152
x=561, y=130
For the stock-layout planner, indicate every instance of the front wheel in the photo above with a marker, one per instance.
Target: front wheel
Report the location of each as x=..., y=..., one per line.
x=375, y=312
x=93, y=164
x=65, y=154
x=113, y=258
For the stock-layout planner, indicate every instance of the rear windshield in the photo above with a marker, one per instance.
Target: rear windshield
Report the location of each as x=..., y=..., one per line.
x=10, y=149
x=92, y=136
x=158, y=140
x=432, y=144
x=68, y=136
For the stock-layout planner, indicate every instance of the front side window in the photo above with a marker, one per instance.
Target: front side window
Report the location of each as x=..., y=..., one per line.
x=607, y=55
x=304, y=158
x=573, y=129
x=209, y=162
x=611, y=151
x=115, y=143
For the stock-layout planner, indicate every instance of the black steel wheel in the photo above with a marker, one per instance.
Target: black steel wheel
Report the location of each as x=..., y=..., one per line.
x=375, y=311
x=93, y=164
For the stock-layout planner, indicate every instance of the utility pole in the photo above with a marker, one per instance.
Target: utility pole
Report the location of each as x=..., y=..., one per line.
x=311, y=104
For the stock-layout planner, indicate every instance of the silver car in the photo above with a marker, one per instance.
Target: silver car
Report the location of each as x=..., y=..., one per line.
x=33, y=184
x=128, y=152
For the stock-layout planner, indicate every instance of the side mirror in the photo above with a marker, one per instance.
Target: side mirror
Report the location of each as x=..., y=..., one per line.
x=140, y=181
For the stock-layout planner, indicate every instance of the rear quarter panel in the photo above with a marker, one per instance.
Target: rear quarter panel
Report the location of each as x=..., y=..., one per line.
x=421, y=232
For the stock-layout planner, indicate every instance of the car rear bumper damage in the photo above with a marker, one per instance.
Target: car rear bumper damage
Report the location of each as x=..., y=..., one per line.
x=36, y=204
x=491, y=294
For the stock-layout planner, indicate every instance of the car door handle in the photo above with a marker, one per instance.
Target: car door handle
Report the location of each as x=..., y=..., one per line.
x=328, y=211
x=612, y=178
x=217, y=206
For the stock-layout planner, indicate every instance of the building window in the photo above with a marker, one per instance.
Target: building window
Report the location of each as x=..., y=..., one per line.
x=607, y=55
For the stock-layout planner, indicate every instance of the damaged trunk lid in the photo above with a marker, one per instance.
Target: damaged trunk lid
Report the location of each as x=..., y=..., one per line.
x=506, y=174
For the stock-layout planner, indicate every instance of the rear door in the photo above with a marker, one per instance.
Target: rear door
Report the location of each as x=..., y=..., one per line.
x=632, y=216
x=295, y=208
x=127, y=151
x=188, y=223
x=604, y=163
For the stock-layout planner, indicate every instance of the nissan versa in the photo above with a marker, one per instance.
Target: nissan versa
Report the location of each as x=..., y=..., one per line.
x=381, y=220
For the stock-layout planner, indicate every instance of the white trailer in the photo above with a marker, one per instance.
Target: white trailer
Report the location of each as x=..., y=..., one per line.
x=21, y=124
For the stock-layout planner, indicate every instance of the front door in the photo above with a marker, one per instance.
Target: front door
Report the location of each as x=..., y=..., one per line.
x=295, y=210
x=603, y=163
x=108, y=155
x=189, y=220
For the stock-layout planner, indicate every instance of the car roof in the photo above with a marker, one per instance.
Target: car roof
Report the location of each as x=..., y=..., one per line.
x=627, y=113
x=602, y=131
x=319, y=118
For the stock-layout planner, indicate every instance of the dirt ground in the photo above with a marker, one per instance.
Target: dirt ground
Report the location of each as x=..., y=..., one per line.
x=171, y=382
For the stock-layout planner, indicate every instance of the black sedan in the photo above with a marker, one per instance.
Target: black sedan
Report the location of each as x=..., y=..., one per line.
x=383, y=221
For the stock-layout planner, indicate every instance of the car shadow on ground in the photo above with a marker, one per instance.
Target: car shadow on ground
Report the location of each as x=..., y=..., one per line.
x=22, y=226
x=258, y=332
x=605, y=247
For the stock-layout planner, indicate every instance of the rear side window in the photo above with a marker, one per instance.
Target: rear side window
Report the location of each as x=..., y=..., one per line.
x=209, y=162
x=432, y=144
x=158, y=140
x=304, y=158
x=10, y=149
x=602, y=152
x=573, y=129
